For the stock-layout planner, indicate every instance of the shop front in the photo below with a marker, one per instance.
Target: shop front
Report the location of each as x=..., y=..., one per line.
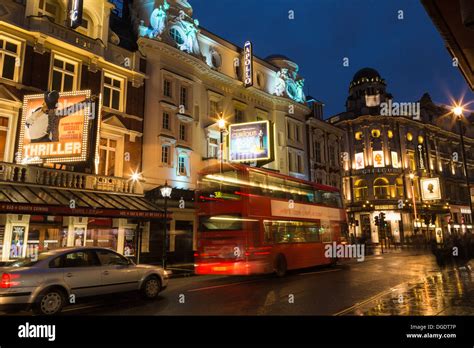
x=34, y=219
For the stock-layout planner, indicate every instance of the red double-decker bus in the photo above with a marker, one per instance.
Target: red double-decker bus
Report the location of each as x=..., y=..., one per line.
x=255, y=221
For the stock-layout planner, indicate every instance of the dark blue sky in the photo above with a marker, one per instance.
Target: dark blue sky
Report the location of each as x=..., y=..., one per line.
x=408, y=53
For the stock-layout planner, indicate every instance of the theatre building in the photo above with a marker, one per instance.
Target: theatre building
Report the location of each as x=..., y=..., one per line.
x=405, y=160
x=195, y=79
x=69, y=162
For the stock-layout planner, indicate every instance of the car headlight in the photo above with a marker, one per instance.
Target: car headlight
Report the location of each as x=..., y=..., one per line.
x=167, y=273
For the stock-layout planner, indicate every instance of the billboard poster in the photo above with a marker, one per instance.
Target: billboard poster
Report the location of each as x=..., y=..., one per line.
x=55, y=133
x=359, y=160
x=394, y=159
x=430, y=189
x=250, y=141
x=378, y=159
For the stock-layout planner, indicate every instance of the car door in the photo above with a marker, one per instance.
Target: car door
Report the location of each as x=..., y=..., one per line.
x=81, y=272
x=118, y=273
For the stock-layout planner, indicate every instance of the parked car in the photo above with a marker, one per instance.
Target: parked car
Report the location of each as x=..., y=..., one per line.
x=46, y=284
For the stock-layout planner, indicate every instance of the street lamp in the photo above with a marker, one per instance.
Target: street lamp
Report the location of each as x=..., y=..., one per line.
x=458, y=112
x=166, y=193
x=412, y=177
x=222, y=127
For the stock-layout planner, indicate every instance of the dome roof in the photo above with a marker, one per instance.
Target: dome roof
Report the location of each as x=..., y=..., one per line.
x=368, y=73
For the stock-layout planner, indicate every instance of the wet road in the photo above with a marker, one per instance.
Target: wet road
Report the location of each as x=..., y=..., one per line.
x=398, y=283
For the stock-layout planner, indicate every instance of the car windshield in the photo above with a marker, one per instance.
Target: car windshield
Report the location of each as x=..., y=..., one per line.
x=29, y=261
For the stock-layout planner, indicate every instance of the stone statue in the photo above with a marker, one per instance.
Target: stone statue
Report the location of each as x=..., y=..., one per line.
x=280, y=85
x=158, y=19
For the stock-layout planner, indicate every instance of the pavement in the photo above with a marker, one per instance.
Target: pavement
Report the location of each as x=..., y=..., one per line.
x=400, y=282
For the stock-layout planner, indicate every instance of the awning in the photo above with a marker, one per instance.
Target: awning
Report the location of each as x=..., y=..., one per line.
x=36, y=199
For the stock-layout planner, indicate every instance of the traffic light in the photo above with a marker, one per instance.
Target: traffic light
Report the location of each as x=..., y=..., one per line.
x=376, y=221
x=382, y=219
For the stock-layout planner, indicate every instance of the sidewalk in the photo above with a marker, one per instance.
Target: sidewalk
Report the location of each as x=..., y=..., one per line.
x=449, y=292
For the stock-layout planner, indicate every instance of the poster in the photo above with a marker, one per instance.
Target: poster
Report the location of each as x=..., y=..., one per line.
x=359, y=160
x=250, y=141
x=394, y=159
x=18, y=242
x=55, y=135
x=378, y=159
x=430, y=189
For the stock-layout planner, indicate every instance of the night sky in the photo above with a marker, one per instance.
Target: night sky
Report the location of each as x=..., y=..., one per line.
x=409, y=54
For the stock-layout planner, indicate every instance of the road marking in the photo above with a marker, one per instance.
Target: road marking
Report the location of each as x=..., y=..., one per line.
x=97, y=305
x=318, y=272
x=226, y=285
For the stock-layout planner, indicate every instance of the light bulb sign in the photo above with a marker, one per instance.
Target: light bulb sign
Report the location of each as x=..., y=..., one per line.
x=248, y=64
x=74, y=11
x=55, y=131
x=250, y=141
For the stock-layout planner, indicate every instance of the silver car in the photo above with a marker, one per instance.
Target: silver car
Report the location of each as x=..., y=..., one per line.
x=57, y=277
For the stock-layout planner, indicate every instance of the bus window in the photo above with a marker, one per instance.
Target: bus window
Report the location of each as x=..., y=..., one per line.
x=276, y=187
x=326, y=232
x=332, y=199
x=220, y=186
x=312, y=233
x=258, y=184
x=220, y=223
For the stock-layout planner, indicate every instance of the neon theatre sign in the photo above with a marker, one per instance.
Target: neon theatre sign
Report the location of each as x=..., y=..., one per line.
x=75, y=13
x=248, y=67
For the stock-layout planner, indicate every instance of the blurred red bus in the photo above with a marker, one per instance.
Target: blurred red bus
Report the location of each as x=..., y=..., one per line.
x=254, y=221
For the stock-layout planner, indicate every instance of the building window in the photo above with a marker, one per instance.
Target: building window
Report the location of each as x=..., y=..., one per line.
x=49, y=8
x=108, y=155
x=358, y=135
x=176, y=35
x=381, y=188
x=375, y=133
x=239, y=116
x=299, y=163
x=399, y=187
x=288, y=130
x=113, y=92
x=182, y=132
x=166, y=121
x=317, y=151
x=9, y=56
x=360, y=190
x=212, y=148
x=167, y=88
x=3, y=137
x=183, y=97
x=291, y=162
x=213, y=108
x=64, y=75
x=165, y=154
x=332, y=155
x=298, y=133
x=182, y=165
x=411, y=160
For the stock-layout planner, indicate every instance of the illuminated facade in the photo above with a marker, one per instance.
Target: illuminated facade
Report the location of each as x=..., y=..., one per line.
x=90, y=199
x=384, y=143
x=194, y=78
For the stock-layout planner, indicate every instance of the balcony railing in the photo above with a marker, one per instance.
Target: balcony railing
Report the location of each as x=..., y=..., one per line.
x=17, y=173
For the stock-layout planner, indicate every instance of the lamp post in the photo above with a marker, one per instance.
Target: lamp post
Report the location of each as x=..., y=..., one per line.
x=222, y=127
x=166, y=193
x=412, y=177
x=458, y=112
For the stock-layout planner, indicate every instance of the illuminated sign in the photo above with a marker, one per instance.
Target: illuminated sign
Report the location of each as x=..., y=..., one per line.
x=74, y=10
x=298, y=210
x=394, y=159
x=55, y=133
x=378, y=159
x=359, y=159
x=250, y=141
x=248, y=65
x=430, y=189
x=421, y=156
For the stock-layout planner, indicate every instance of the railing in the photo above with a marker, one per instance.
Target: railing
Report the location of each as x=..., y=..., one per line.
x=17, y=173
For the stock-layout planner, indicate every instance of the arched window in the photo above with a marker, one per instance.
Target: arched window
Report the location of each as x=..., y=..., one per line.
x=50, y=8
x=360, y=190
x=177, y=35
x=87, y=26
x=381, y=188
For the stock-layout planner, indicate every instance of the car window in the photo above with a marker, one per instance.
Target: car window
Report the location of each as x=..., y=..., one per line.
x=108, y=258
x=28, y=261
x=79, y=259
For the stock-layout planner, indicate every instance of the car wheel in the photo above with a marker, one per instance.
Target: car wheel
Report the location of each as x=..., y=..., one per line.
x=151, y=288
x=49, y=302
x=280, y=266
